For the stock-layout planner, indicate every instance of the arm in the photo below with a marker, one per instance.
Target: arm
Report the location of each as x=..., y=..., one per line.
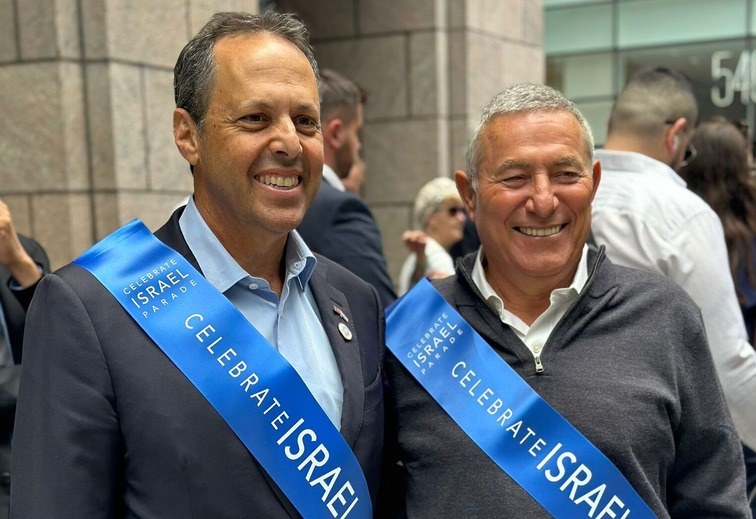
x=702, y=270
x=66, y=451
x=12, y=254
x=39, y=256
x=708, y=477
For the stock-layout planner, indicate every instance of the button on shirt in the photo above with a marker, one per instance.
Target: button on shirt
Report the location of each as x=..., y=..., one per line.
x=291, y=323
x=536, y=335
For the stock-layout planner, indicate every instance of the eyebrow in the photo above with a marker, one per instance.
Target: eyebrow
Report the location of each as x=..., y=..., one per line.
x=569, y=161
x=511, y=164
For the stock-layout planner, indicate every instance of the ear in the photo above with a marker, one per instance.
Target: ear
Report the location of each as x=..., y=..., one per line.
x=672, y=137
x=466, y=191
x=333, y=133
x=185, y=136
x=596, y=177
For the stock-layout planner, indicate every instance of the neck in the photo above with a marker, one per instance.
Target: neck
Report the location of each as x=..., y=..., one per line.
x=527, y=298
x=440, y=240
x=647, y=147
x=259, y=253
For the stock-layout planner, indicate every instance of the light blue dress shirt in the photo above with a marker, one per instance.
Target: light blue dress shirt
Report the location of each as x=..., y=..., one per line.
x=291, y=324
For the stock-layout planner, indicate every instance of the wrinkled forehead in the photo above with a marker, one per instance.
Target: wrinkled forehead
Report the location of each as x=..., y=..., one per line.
x=527, y=128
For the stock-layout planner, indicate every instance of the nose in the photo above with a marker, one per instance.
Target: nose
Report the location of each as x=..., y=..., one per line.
x=285, y=142
x=543, y=201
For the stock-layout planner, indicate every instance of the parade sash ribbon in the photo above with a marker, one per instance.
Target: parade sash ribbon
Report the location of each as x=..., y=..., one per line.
x=254, y=389
x=503, y=415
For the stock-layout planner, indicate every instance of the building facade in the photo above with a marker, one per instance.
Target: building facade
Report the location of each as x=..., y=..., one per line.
x=594, y=46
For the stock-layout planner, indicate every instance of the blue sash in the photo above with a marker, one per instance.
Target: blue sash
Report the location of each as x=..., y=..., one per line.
x=502, y=414
x=251, y=386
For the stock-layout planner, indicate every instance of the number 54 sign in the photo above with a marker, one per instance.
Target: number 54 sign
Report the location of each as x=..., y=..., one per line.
x=741, y=79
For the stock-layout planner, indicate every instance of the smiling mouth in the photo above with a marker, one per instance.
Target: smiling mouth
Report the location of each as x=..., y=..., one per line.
x=540, y=232
x=279, y=181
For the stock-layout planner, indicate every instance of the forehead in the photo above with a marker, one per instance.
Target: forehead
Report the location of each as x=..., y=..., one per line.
x=261, y=58
x=535, y=133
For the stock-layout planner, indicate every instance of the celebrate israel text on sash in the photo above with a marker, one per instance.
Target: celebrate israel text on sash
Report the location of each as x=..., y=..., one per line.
x=298, y=441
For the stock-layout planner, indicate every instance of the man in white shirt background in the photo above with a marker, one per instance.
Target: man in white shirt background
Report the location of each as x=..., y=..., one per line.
x=647, y=218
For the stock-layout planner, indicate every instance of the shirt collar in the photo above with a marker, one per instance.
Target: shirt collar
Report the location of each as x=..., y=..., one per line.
x=619, y=161
x=494, y=301
x=222, y=270
x=330, y=176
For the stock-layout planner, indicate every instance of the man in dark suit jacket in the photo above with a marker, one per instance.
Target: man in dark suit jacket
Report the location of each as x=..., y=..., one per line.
x=23, y=261
x=107, y=425
x=339, y=225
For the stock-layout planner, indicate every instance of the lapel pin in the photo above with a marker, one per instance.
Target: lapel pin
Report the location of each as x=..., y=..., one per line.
x=345, y=332
x=338, y=311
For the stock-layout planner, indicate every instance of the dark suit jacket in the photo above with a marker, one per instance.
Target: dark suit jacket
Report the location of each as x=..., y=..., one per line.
x=341, y=227
x=107, y=426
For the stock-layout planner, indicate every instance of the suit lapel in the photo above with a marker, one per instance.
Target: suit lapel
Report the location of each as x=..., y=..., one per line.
x=171, y=235
x=339, y=327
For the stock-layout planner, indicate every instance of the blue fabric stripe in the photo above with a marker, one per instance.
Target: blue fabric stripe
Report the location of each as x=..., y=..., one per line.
x=468, y=379
x=251, y=386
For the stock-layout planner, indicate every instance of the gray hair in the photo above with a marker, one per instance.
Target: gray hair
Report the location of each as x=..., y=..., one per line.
x=651, y=99
x=523, y=98
x=194, y=73
x=431, y=196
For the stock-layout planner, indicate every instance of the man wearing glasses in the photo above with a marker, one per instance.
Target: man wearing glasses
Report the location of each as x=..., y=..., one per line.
x=648, y=219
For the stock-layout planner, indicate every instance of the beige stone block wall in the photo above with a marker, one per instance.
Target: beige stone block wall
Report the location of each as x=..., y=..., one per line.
x=8, y=50
x=86, y=102
x=63, y=223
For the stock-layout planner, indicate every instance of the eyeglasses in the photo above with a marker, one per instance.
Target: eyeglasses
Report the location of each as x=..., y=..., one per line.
x=454, y=211
x=690, y=154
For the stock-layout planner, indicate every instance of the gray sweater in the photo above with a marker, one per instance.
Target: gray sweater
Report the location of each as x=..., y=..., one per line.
x=628, y=366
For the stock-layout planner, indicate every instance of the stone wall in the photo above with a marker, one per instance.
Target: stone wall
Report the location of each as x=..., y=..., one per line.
x=86, y=102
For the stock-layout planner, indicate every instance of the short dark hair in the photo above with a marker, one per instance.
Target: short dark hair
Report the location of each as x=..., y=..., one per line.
x=194, y=72
x=339, y=96
x=653, y=97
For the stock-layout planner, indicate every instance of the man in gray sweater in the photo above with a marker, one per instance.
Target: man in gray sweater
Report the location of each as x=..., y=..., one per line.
x=620, y=354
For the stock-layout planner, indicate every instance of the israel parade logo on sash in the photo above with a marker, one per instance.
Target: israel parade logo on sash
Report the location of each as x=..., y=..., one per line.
x=506, y=418
x=255, y=390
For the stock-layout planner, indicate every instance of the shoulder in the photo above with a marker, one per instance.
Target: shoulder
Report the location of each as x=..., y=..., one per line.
x=340, y=277
x=645, y=291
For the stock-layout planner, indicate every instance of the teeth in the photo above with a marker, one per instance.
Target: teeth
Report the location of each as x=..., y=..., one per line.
x=531, y=231
x=279, y=181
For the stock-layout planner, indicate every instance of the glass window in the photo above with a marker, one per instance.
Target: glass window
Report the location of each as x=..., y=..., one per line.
x=654, y=22
x=723, y=74
x=578, y=29
x=586, y=75
x=597, y=113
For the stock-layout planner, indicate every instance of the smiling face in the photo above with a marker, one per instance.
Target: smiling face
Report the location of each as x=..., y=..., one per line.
x=259, y=157
x=532, y=206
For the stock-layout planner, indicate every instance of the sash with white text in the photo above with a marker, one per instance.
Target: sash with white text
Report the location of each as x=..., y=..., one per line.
x=246, y=380
x=503, y=415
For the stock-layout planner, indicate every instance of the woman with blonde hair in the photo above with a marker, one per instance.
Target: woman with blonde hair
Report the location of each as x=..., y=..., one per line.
x=440, y=217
